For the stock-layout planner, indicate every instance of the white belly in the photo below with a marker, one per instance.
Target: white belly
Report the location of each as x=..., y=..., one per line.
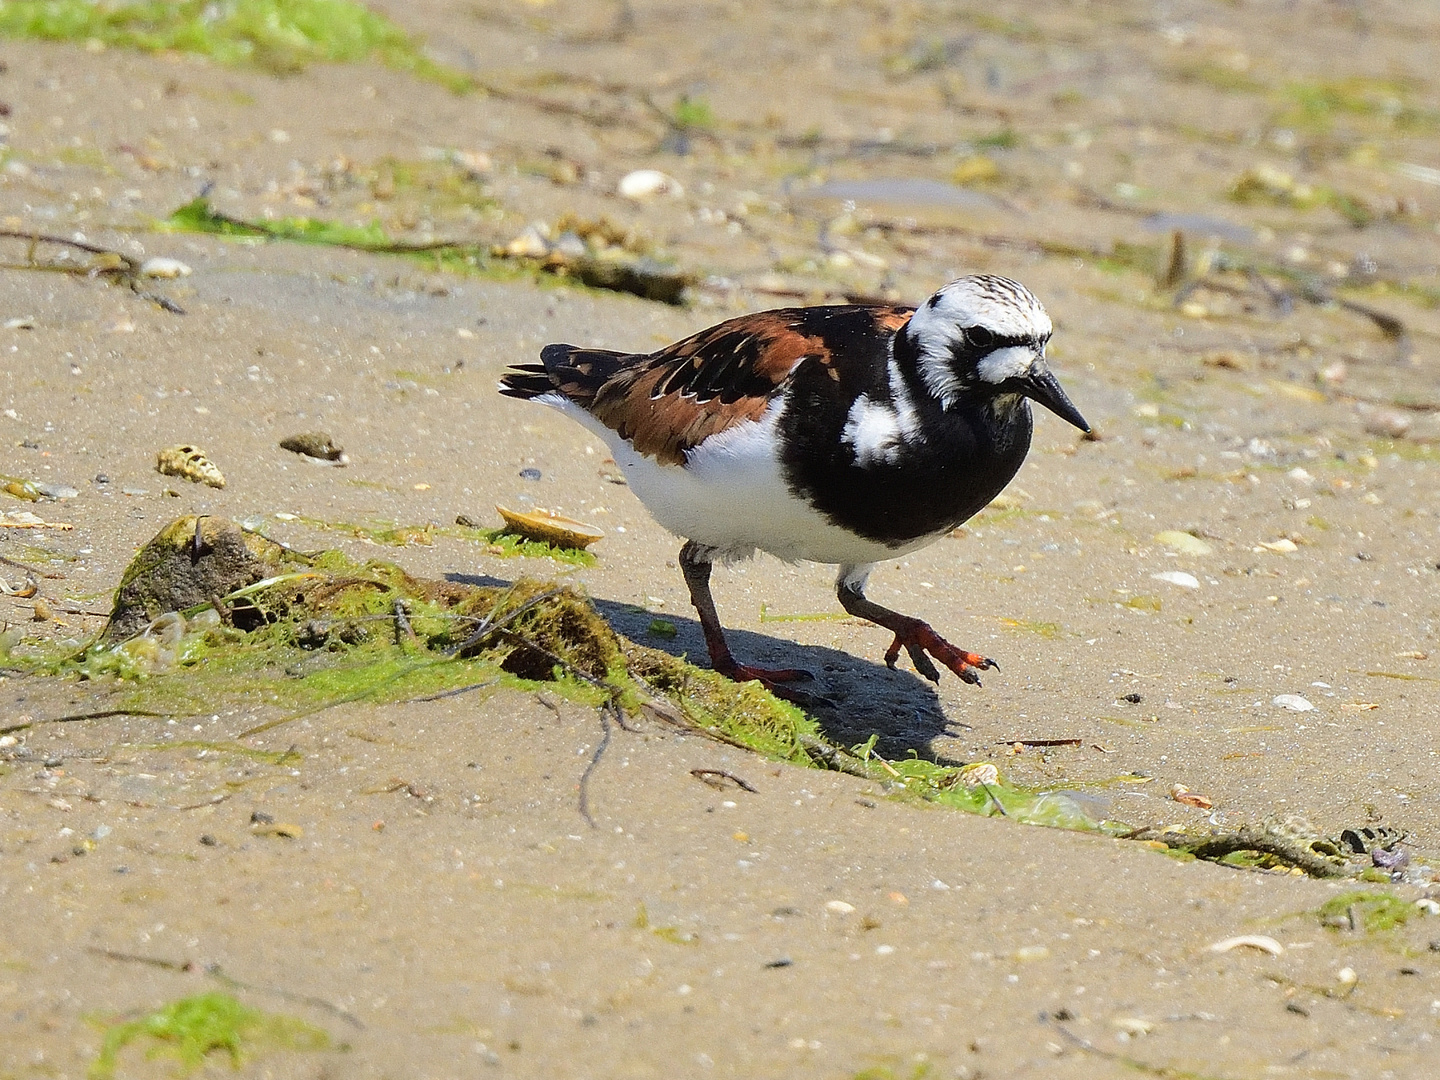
x=732, y=496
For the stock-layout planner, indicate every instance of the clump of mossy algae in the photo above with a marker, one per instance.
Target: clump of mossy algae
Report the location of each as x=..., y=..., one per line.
x=303, y=632
x=282, y=36
x=1375, y=912
x=189, y=563
x=193, y=1028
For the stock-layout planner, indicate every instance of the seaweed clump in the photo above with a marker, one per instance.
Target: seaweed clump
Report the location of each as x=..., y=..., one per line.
x=194, y=1028
x=209, y=612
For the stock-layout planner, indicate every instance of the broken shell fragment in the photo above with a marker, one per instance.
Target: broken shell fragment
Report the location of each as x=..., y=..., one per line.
x=979, y=774
x=190, y=463
x=1249, y=941
x=1293, y=702
x=550, y=528
x=315, y=446
x=1182, y=794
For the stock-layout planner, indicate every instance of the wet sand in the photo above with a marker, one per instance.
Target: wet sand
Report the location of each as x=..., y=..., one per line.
x=447, y=911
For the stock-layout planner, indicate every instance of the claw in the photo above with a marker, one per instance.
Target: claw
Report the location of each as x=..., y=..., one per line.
x=921, y=639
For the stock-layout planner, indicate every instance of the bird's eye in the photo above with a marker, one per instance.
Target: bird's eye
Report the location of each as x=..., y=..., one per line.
x=979, y=337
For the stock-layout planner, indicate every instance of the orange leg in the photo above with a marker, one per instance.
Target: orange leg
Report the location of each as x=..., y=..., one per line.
x=914, y=635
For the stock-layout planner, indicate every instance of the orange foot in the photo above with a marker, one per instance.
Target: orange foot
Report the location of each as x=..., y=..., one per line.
x=770, y=678
x=920, y=639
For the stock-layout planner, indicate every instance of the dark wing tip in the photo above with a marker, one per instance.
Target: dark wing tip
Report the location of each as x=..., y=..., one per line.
x=526, y=381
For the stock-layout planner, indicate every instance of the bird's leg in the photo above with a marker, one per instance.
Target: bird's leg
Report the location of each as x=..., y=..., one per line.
x=695, y=565
x=914, y=634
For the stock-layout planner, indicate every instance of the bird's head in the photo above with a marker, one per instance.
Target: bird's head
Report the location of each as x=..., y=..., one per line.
x=986, y=335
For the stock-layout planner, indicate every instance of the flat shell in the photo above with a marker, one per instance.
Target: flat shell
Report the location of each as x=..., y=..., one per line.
x=550, y=528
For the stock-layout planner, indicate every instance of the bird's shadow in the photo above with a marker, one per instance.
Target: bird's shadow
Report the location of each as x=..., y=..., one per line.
x=850, y=699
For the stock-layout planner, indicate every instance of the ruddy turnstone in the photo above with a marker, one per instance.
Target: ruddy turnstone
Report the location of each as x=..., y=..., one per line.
x=846, y=434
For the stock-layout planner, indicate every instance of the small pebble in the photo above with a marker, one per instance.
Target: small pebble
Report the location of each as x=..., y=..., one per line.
x=316, y=445
x=840, y=907
x=646, y=183
x=101, y=478
x=529, y=474
x=161, y=267
x=208, y=840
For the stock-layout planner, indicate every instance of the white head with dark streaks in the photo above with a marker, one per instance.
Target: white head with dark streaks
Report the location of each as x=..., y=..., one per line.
x=983, y=338
x=977, y=331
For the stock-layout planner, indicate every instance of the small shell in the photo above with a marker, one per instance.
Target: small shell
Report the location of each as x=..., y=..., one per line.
x=1249, y=941
x=1293, y=702
x=530, y=244
x=644, y=183
x=190, y=463
x=550, y=528
x=1182, y=794
x=1178, y=577
x=1183, y=542
x=840, y=907
x=979, y=773
x=161, y=267
x=1283, y=546
x=1133, y=1026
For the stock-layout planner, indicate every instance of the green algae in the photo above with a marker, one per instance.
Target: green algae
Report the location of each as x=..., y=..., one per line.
x=193, y=1029
x=280, y=36
x=643, y=277
x=1376, y=912
x=497, y=541
x=329, y=630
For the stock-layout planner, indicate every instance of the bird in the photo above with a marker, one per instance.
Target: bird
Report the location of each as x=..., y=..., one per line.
x=846, y=434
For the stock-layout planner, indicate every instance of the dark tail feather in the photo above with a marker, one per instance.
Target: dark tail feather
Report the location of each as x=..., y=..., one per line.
x=526, y=381
x=567, y=369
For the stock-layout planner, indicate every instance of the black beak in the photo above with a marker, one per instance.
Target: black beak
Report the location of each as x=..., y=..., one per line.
x=1042, y=386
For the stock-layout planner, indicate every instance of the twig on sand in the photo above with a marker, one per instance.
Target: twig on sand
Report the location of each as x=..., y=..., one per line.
x=115, y=265
x=450, y=693
x=217, y=973
x=98, y=715
x=30, y=569
x=1246, y=838
x=605, y=711
x=716, y=778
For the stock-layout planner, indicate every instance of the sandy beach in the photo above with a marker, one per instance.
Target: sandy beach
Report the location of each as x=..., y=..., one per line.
x=1231, y=593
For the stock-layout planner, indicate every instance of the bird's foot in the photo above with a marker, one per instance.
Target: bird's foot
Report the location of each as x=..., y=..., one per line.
x=773, y=679
x=919, y=639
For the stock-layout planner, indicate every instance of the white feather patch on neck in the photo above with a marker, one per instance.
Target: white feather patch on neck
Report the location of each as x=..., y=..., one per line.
x=1005, y=364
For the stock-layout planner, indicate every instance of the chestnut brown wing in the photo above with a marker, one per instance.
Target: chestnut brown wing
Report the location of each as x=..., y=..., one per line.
x=666, y=403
